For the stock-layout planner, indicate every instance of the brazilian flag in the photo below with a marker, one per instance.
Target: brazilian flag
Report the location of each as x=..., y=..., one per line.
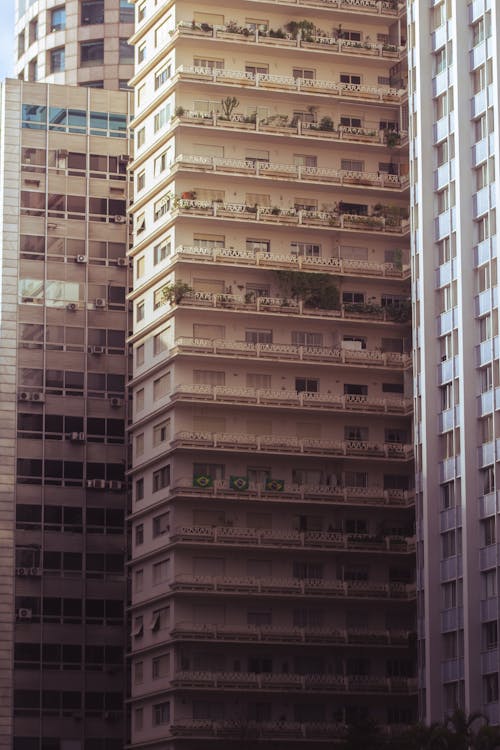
x=275, y=485
x=202, y=480
x=238, y=483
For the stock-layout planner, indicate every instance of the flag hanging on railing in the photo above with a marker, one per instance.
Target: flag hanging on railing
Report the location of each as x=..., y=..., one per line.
x=202, y=480
x=275, y=485
x=238, y=483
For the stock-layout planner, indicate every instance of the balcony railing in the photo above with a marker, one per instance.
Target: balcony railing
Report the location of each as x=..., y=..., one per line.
x=289, y=306
x=282, y=634
x=293, y=587
x=371, y=495
x=287, y=444
x=292, y=217
x=283, y=125
x=245, y=34
x=251, y=730
x=294, y=682
x=285, y=83
x=270, y=170
x=338, y=266
x=283, y=352
x=264, y=396
x=233, y=535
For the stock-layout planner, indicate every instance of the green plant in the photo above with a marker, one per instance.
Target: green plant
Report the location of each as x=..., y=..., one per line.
x=306, y=29
x=179, y=111
x=399, y=313
x=228, y=106
x=392, y=138
x=277, y=33
x=326, y=123
x=276, y=210
x=174, y=292
x=251, y=118
x=317, y=290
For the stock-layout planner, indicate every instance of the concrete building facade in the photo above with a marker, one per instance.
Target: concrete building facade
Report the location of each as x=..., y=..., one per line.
x=453, y=53
x=272, y=570
x=77, y=42
x=64, y=322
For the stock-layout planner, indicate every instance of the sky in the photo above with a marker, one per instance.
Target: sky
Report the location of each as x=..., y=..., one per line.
x=6, y=38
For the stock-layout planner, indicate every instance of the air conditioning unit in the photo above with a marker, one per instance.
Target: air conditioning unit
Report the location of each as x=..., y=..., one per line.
x=124, y=158
x=96, y=484
x=71, y=306
x=24, y=396
x=77, y=437
x=120, y=219
x=39, y=397
x=34, y=572
x=81, y=259
x=24, y=613
x=97, y=349
x=122, y=262
x=115, y=485
x=100, y=302
x=115, y=402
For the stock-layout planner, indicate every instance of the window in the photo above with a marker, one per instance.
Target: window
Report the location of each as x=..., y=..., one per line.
x=138, y=719
x=56, y=60
x=487, y=480
x=161, y=386
x=488, y=531
x=139, y=399
x=139, y=444
x=258, y=336
x=161, y=478
x=161, y=713
x=160, y=341
x=305, y=249
x=449, y=592
x=490, y=688
x=447, y=495
x=162, y=76
x=160, y=666
x=161, y=207
x=161, y=570
x=139, y=311
x=307, y=73
x=161, y=525
x=140, y=137
x=346, y=121
x=307, y=385
x=126, y=12
x=489, y=584
x=138, y=580
x=490, y=635
x=307, y=338
x=162, y=161
x=58, y=19
x=141, y=180
x=92, y=11
x=448, y=544
x=125, y=52
x=141, y=53
x=92, y=53
x=350, y=79
x=160, y=619
x=141, y=11
x=352, y=165
x=353, y=432
x=161, y=251
x=139, y=489
x=139, y=533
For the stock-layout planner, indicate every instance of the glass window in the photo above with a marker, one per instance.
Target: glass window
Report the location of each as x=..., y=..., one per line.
x=92, y=11
x=57, y=60
x=126, y=52
x=58, y=19
x=126, y=12
x=92, y=53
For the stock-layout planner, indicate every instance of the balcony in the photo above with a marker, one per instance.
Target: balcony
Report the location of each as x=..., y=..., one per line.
x=293, y=172
x=368, y=313
x=282, y=634
x=387, y=225
x=283, y=352
x=323, y=42
x=292, y=587
x=338, y=266
x=290, y=445
x=283, y=125
x=315, y=683
x=280, y=730
x=287, y=84
x=355, y=496
x=291, y=399
x=290, y=539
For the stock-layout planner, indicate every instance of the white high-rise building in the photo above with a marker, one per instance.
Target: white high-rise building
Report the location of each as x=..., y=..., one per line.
x=454, y=127
x=272, y=505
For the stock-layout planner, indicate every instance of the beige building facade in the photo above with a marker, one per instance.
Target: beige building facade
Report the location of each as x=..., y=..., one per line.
x=77, y=42
x=63, y=498
x=272, y=571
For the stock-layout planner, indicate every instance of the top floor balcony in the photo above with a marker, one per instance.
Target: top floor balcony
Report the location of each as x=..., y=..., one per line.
x=282, y=38
x=289, y=84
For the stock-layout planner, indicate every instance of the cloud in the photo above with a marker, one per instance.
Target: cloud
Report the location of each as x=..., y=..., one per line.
x=7, y=40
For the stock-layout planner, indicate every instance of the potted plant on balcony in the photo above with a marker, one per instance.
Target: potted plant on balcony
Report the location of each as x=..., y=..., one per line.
x=316, y=290
x=228, y=105
x=188, y=195
x=304, y=29
x=179, y=111
x=392, y=138
x=174, y=292
x=325, y=124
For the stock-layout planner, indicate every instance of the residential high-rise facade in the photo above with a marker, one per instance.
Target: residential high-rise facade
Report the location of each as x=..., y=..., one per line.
x=78, y=42
x=272, y=570
x=454, y=125
x=64, y=368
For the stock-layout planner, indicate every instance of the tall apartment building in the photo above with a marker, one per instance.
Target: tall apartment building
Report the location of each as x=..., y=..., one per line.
x=78, y=42
x=272, y=555
x=454, y=154
x=64, y=367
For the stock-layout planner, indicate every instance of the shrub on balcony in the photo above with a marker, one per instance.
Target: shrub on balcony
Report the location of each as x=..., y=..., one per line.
x=306, y=29
x=179, y=111
x=392, y=138
x=326, y=123
x=275, y=34
x=400, y=313
x=173, y=293
x=316, y=290
x=228, y=105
